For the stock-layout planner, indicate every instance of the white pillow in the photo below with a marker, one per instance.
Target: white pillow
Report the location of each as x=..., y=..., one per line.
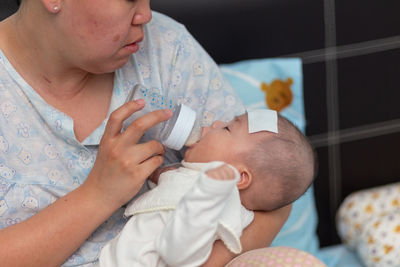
x=368, y=221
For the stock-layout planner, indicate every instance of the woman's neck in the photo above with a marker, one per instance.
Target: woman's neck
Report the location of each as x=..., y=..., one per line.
x=30, y=49
x=74, y=91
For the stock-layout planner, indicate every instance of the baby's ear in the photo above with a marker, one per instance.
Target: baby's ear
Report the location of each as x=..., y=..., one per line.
x=245, y=179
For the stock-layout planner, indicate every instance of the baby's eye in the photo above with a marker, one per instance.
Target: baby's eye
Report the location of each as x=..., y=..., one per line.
x=226, y=128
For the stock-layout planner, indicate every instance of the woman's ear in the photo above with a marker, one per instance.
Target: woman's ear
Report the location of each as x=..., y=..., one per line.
x=52, y=6
x=245, y=179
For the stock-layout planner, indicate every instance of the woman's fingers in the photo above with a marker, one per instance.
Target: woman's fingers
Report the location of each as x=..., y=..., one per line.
x=142, y=152
x=118, y=116
x=139, y=126
x=122, y=164
x=120, y=171
x=150, y=165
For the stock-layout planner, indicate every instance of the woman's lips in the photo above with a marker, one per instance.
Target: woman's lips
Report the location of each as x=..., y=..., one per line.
x=132, y=47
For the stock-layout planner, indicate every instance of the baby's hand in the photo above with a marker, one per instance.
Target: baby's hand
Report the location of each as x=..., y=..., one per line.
x=156, y=174
x=223, y=172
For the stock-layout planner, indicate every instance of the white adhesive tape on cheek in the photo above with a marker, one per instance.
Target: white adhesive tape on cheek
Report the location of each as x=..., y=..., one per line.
x=262, y=120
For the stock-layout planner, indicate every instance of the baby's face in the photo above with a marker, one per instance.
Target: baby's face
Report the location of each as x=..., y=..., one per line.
x=222, y=141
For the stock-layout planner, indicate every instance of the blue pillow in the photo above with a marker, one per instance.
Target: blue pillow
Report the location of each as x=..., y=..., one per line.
x=278, y=84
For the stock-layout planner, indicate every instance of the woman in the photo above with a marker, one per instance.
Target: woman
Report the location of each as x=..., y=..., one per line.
x=65, y=167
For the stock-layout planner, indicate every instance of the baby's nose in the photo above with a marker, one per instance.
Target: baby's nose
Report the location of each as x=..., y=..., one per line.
x=218, y=124
x=204, y=130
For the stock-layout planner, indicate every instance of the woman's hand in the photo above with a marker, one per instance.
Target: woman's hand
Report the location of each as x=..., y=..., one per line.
x=122, y=165
x=49, y=237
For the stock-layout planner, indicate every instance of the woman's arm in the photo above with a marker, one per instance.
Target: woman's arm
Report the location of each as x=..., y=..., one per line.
x=260, y=233
x=53, y=234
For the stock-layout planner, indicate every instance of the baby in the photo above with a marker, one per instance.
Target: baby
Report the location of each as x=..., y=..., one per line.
x=258, y=161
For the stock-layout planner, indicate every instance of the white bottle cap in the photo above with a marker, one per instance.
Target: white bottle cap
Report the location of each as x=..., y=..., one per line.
x=182, y=128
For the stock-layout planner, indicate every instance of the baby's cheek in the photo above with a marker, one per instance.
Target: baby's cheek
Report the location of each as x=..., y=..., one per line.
x=196, y=154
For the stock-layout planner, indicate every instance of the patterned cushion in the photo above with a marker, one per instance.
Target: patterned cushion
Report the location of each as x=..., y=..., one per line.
x=369, y=222
x=276, y=257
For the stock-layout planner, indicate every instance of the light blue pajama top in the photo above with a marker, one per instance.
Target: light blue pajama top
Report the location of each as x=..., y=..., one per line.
x=40, y=158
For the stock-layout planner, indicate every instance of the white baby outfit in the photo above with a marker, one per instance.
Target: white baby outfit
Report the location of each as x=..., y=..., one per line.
x=177, y=222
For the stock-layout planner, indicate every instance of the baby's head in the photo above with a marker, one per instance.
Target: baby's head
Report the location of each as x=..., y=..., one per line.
x=275, y=168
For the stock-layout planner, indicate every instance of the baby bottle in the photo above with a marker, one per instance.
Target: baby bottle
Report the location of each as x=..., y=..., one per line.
x=173, y=133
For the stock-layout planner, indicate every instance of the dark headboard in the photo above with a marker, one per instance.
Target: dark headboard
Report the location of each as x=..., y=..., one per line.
x=8, y=7
x=351, y=57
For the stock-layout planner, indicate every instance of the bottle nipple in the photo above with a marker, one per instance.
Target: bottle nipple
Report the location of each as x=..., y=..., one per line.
x=194, y=136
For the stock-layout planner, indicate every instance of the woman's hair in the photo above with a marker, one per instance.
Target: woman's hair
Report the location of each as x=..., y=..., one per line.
x=283, y=167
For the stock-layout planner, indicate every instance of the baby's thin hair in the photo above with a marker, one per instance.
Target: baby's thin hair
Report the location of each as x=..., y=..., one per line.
x=283, y=165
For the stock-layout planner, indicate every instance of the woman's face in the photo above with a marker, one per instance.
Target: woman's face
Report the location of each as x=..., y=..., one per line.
x=100, y=35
